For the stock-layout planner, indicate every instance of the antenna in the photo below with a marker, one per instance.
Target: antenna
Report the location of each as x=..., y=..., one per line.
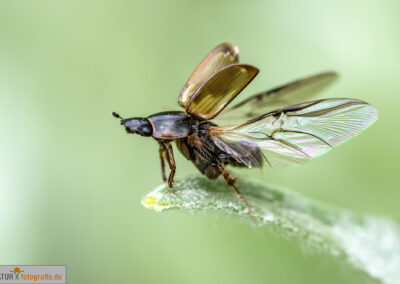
x=116, y=115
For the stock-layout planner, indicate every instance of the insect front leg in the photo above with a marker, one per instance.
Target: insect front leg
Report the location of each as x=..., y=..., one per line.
x=163, y=157
x=171, y=163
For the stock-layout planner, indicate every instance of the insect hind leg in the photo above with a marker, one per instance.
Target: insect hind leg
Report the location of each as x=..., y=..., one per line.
x=232, y=182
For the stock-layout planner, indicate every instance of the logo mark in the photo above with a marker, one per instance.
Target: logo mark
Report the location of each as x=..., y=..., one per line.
x=16, y=271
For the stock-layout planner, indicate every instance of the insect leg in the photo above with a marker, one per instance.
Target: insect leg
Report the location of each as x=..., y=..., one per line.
x=163, y=157
x=172, y=165
x=232, y=182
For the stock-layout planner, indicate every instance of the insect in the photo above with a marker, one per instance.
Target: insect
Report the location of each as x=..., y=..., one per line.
x=274, y=128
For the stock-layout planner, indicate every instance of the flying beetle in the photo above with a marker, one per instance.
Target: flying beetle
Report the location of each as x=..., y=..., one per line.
x=274, y=128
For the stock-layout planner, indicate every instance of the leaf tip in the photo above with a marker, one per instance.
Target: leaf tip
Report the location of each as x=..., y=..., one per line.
x=154, y=200
x=149, y=201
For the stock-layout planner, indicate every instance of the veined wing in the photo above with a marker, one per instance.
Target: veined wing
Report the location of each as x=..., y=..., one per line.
x=285, y=95
x=219, y=90
x=293, y=135
x=223, y=55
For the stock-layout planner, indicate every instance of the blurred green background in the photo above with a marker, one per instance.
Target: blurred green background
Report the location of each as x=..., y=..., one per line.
x=72, y=180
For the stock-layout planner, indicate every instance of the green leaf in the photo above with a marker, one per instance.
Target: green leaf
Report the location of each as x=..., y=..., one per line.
x=366, y=243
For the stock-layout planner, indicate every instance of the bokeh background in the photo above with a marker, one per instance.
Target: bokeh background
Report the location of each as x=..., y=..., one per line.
x=71, y=179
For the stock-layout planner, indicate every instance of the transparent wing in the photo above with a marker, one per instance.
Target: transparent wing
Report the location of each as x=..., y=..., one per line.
x=288, y=94
x=223, y=55
x=219, y=90
x=293, y=135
